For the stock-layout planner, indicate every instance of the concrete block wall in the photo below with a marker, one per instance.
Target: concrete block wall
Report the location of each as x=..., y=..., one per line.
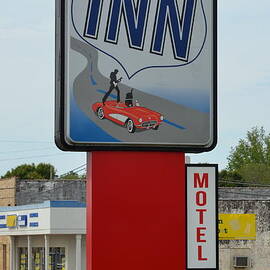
x=37, y=191
x=234, y=201
x=244, y=193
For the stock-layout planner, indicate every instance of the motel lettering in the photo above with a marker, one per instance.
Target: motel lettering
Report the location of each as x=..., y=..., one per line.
x=201, y=184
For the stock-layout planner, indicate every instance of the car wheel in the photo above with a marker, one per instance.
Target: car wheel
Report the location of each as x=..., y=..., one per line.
x=100, y=113
x=130, y=126
x=156, y=127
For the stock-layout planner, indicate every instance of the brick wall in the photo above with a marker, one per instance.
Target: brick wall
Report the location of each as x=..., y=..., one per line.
x=7, y=192
x=7, y=197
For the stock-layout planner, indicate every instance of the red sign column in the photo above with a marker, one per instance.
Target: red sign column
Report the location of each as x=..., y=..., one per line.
x=136, y=211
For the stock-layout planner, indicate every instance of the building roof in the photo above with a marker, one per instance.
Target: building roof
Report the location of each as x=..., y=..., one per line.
x=45, y=204
x=244, y=193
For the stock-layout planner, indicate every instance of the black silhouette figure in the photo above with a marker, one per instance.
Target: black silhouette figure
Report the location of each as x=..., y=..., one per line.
x=129, y=98
x=113, y=85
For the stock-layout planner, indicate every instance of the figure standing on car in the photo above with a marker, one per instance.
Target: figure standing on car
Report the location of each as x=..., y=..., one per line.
x=113, y=85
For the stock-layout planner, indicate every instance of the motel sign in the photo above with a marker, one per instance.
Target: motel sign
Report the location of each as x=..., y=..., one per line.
x=136, y=75
x=202, y=239
x=137, y=21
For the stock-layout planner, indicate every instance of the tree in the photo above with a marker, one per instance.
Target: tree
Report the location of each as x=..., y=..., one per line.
x=229, y=179
x=32, y=171
x=70, y=175
x=251, y=157
x=47, y=171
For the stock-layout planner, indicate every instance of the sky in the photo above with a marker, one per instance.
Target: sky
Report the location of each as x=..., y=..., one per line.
x=27, y=82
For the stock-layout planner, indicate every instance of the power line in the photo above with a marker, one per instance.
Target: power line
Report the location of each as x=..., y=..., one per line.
x=75, y=170
x=79, y=167
x=83, y=169
x=27, y=150
x=30, y=157
x=64, y=185
x=244, y=183
x=19, y=141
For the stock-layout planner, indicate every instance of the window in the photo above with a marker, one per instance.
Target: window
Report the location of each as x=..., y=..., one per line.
x=4, y=257
x=57, y=258
x=23, y=258
x=38, y=259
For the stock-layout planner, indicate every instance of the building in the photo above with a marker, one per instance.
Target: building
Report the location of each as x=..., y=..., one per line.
x=46, y=236
x=254, y=254
x=14, y=191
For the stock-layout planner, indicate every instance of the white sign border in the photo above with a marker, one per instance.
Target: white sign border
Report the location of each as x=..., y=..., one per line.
x=215, y=210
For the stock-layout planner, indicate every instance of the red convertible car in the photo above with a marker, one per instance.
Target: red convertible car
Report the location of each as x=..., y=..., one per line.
x=132, y=117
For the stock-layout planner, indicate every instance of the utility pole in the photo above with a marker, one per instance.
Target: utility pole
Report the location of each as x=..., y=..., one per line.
x=51, y=173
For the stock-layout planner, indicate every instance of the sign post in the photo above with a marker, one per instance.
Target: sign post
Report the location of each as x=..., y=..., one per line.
x=151, y=217
x=136, y=211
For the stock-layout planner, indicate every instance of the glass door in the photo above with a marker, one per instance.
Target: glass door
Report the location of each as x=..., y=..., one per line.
x=23, y=258
x=57, y=258
x=38, y=260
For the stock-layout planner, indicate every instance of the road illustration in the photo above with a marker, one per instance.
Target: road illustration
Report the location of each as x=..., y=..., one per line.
x=181, y=124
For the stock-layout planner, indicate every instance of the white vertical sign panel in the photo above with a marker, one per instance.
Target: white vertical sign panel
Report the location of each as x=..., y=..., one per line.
x=202, y=246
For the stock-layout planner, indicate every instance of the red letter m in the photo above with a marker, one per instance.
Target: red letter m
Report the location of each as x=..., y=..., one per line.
x=198, y=182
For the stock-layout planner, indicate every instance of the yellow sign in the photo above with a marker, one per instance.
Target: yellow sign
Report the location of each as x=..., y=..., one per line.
x=237, y=226
x=11, y=221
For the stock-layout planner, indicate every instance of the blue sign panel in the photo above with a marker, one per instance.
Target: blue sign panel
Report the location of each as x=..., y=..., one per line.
x=136, y=74
x=22, y=220
x=33, y=215
x=33, y=224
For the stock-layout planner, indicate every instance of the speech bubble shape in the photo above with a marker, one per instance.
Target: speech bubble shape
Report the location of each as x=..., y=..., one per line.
x=145, y=35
